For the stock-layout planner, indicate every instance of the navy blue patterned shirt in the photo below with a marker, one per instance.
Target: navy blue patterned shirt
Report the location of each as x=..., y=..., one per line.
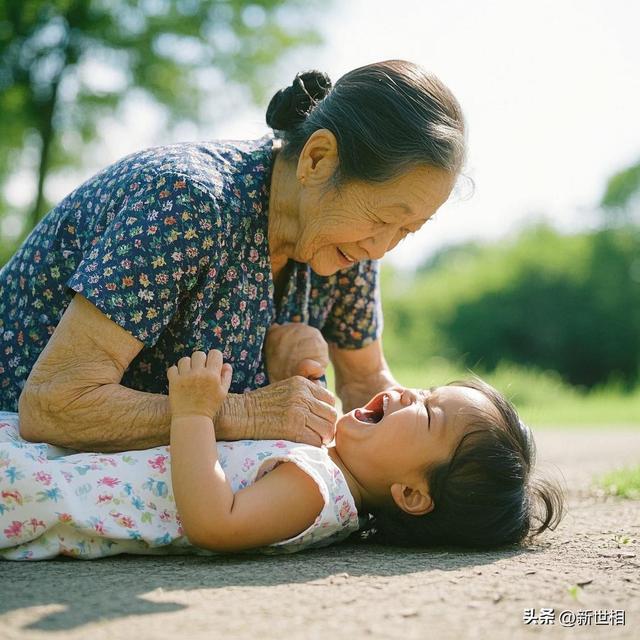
x=171, y=244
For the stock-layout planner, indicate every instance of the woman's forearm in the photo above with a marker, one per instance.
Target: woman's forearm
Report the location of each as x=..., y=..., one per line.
x=360, y=374
x=107, y=418
x=111, y=417
x=356, y=393
x=204, y=498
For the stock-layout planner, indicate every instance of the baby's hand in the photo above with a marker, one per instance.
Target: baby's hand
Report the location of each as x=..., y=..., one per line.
x=198, y=385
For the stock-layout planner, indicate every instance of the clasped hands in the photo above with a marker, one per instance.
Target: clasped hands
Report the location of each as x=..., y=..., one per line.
x=293, y=407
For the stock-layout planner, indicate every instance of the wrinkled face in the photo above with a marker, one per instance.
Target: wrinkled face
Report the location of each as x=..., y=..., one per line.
x=362, y=220
x=386, y=442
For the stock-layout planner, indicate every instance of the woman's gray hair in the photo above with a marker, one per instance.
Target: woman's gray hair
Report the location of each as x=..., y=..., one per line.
x=387, y=118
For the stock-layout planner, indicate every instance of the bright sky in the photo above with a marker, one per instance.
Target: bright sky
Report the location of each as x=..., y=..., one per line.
x=550, y=90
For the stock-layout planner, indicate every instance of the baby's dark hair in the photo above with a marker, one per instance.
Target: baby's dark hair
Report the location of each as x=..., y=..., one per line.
x=484, y=496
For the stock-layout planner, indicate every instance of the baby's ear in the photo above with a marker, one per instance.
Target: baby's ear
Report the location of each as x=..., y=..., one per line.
x=415, y=502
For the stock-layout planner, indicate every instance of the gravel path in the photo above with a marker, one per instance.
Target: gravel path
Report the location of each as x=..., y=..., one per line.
x=355, y=592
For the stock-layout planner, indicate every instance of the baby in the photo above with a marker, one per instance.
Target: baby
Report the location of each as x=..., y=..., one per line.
x=448, y=465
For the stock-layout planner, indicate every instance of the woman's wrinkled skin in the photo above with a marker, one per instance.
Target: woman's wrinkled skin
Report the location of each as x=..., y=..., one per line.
x=295, y=349
x=329, y=227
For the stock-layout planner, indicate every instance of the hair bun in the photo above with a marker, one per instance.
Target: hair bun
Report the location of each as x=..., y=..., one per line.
x=290, y=106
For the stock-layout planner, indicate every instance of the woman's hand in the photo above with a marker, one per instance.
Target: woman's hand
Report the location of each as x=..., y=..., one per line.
x=294, y=409
x=295, y=349
x=198, y=385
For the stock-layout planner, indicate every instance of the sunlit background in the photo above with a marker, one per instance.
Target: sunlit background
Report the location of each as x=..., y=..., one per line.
x=550, y=90
x=551, y=94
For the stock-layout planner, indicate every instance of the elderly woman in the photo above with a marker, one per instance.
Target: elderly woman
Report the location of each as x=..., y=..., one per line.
x=206, y=246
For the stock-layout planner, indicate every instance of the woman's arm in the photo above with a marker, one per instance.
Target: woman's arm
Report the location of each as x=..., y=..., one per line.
x=282, y=504
x=360, y=374
x=73, y=396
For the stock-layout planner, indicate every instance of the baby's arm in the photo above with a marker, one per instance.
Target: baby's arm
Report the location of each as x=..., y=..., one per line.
x=282, y=504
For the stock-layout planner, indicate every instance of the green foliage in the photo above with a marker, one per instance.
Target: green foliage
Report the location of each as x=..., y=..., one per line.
x=542, y=398
x=574, y=591
x=55, y=55
x=622, y=188
x=622, y=482
x=565, y=303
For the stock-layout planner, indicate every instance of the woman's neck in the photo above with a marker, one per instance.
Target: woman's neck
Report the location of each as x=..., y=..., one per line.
x=283, y=212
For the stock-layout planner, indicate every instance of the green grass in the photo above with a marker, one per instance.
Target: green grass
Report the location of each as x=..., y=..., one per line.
x=542, y=398
x=622, y=482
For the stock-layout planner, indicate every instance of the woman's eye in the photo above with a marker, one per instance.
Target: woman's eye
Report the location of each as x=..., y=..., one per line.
x=374, y=218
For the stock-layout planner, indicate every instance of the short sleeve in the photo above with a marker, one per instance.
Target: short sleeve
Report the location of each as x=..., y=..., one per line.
x=339, y=515
x=148, y=255
x=355, y=319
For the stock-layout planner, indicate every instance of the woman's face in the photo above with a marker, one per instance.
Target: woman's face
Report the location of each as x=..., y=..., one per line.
x=361, y=220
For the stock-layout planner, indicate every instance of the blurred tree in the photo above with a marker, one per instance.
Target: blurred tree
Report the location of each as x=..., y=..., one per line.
x=56, y=54
x=621, y=191
x=566, y=303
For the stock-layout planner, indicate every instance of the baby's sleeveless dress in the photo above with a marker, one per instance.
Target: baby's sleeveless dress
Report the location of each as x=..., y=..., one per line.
x=56, y=501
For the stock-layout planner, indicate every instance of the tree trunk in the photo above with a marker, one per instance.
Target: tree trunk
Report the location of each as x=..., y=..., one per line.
x=46, y=138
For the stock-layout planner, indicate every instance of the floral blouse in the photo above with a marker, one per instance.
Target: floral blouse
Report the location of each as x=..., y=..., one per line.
x=171, y=244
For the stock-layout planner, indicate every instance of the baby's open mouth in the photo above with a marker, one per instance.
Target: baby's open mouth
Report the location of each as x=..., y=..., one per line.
x=374, y=411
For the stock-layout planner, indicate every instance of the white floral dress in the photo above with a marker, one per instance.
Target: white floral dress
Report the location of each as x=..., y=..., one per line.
x=56, y=501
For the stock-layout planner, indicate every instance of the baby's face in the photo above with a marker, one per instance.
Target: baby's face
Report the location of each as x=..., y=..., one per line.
x=386, y=442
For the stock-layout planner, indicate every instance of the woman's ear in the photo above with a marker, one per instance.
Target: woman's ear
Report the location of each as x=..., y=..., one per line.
x=318, y=159
x=415, y=502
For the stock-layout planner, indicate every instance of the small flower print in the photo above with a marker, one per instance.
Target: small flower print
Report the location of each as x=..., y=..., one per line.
x=13, y=474
x=108, y=481
x=50, y=494
x=123, y=520
x=14, y=529
x=11, y=497
x=158, y=463
x=42, y=477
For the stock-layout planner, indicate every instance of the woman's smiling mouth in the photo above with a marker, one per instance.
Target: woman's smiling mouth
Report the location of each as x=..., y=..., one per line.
x=346, y=256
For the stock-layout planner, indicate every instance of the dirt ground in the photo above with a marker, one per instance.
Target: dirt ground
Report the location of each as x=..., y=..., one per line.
x=360, y=592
